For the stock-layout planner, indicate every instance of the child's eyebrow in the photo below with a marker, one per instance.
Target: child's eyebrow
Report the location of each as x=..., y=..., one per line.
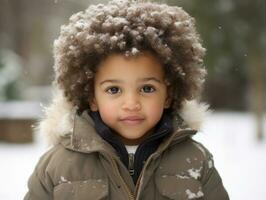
x=149, y=79
x=111, y=81
x=139, y=80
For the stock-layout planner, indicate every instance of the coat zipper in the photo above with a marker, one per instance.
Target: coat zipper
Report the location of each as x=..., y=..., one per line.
x=127, y=190
x=131, y=163
x=137, y=185
x=136, y=192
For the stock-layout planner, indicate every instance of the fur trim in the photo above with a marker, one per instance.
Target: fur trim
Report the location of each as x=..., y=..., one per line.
x=59, y=117
x=194, y=113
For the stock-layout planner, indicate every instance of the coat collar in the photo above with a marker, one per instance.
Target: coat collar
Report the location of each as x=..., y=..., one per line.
x=60, y=121
x=80, y=140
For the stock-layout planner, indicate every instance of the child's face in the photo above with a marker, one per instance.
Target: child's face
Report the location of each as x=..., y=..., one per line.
x=130, y=95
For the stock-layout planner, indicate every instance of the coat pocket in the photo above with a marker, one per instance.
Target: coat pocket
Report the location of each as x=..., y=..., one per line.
x=178, y=188
x=95, y=189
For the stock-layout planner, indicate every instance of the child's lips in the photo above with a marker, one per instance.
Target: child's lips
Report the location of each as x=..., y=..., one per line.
x=131, y=120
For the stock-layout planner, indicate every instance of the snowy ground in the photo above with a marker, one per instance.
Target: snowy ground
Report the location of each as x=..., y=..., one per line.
x=239, y=158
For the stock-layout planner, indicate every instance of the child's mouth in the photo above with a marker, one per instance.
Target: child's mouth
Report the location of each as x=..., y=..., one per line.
x=132, y=120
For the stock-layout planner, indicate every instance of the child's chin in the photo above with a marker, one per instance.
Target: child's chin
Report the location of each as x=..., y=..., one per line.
x=133, y=138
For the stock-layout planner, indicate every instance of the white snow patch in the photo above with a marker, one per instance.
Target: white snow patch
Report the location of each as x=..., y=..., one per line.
x=178, y=176
x=80, y=24
x=195, y=173
x=177, y=24
x=188, y=160
x=134, y=51
x=192, y=195
x=114, y=38
x=72, y=48
x=210, y=163
x=63, y=179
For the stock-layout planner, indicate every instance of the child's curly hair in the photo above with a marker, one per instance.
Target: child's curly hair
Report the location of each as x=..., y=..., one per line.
x=129, y=27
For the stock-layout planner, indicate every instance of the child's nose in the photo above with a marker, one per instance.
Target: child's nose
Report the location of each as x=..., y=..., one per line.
x=131, y=103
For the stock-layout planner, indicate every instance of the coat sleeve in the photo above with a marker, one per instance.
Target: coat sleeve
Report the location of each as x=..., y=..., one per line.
x=40, y=185
x=212, y=183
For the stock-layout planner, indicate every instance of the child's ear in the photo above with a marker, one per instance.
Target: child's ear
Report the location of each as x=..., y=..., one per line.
x=167, y=102
x=93, y=105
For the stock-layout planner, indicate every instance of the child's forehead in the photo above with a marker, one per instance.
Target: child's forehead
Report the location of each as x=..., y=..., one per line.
x=118, y=66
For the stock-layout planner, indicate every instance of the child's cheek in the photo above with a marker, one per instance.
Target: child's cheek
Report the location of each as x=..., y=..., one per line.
x=108, y=113
x=155, y=111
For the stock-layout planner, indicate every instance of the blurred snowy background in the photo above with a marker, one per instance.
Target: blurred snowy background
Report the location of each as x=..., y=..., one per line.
x=234, y=33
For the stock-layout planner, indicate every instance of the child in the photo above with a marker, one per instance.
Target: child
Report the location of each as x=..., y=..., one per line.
x=127, y=74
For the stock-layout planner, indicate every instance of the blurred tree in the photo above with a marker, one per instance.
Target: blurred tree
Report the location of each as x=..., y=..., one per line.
x=254, y=13
x=29, y=27
x=10, y=70
x=234, y=33
x=219, y=29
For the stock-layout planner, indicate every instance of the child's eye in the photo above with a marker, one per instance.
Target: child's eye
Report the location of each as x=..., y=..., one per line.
x=147, y=89
x=112, y=90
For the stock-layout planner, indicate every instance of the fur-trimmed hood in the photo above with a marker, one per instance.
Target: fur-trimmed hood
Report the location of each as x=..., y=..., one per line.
x=58, y=120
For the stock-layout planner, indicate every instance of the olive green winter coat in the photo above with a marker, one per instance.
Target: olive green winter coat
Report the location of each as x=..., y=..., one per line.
x=81, y=165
